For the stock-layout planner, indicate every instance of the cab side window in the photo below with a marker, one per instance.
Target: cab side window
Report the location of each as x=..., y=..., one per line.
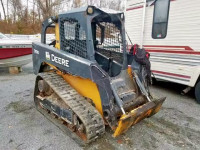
x=160, y=19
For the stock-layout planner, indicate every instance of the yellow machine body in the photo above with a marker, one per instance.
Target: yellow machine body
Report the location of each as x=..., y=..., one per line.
x=57, y=36
x=86, y=88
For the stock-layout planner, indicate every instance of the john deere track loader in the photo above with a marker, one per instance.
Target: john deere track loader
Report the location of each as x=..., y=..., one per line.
x=86, y=79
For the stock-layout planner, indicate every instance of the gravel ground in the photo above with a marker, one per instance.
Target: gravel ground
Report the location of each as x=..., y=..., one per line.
x=176, y=126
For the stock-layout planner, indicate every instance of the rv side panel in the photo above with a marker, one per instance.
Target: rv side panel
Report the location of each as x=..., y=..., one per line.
x=177, y=57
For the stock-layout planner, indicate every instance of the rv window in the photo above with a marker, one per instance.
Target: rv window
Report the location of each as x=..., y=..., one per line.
x=160, y=19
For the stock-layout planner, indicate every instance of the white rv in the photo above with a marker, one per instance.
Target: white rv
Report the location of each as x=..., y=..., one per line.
x=172, y=38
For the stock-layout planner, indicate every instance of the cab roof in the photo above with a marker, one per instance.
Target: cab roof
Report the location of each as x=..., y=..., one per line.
x=84, y=9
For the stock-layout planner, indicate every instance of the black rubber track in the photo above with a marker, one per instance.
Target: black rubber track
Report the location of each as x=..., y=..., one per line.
x=90, y=117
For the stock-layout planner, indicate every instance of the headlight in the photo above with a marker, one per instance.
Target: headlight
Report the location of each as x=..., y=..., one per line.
x=90, y=10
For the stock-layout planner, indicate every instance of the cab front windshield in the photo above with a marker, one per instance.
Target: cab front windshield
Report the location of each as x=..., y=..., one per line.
x=108, y=43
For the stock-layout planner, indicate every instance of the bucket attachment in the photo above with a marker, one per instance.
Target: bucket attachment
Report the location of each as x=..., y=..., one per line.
x=134, y=116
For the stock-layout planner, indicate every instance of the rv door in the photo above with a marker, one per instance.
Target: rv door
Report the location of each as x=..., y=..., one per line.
x=160, y=19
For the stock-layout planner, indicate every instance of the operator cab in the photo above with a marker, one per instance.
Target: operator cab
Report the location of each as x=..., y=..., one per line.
x=92, y=34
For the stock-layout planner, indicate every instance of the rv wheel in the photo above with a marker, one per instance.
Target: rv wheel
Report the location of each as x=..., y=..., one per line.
x=197, y=92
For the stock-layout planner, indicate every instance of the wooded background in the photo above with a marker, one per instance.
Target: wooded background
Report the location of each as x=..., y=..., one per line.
x=26, y=16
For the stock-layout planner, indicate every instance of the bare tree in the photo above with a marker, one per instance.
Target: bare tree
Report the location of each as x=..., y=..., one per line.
x=3, y=10
x=77, y=3
x=33, y=11
x=7, y=9
x=16, y=9
x=38, y=11
x=46, y=7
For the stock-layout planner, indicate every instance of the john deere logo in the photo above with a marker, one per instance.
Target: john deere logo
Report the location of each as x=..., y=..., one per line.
x=48, y=56
x=57, y=59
